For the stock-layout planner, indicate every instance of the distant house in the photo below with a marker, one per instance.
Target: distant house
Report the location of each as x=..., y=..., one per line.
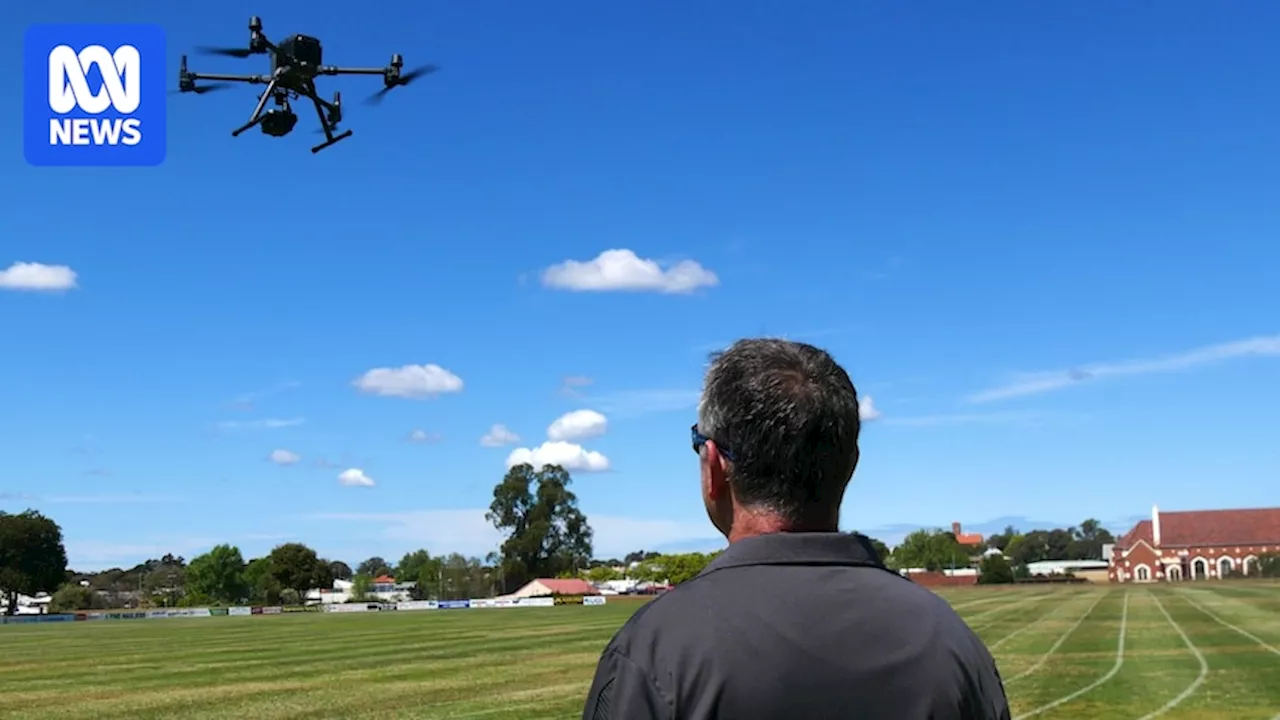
x=384, y=588
x=27, y=605
x=965, y=538
x=1195, y=545
x=556, y=586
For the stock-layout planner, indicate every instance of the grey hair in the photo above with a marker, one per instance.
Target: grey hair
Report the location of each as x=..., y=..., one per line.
x=788, y=414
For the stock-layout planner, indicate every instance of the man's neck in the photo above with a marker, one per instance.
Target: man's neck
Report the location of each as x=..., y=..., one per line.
x=749, y=523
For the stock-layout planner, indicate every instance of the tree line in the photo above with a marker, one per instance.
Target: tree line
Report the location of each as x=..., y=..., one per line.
x=544, y=535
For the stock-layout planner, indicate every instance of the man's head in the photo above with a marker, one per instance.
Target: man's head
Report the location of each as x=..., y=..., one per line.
x=777, y=435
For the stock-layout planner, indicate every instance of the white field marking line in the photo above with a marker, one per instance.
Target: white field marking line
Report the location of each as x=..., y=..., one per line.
x=1031, y=624
x=1229, y=626
x=984, y=601
x=1204, y=666
x=1002, y=608
x=1124, y=624
x=1057, y=644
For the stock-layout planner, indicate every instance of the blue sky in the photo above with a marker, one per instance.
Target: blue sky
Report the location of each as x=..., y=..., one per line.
x=1041, y=238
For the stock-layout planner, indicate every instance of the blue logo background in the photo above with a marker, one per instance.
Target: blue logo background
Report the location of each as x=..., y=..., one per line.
x=39, y=40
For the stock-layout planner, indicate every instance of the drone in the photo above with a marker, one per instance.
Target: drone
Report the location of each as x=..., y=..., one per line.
x=296, y=62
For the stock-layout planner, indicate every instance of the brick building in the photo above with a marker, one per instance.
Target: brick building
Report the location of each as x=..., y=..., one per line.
x=965, y=538
x=1195, y=545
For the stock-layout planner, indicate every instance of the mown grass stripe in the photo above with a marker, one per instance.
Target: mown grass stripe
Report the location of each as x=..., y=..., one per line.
x=1119, y=663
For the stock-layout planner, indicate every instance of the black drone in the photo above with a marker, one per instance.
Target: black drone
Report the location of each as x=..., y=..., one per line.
x=295, y=65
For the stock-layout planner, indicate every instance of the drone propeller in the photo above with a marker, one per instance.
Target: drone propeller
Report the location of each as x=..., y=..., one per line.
x=226, y=52
x=404, y=79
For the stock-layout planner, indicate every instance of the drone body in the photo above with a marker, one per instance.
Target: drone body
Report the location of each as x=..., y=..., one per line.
x=296, y=62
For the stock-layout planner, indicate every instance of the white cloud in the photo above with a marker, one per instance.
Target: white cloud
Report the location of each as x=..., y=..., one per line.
x=265, y=424
x=498, y=436
x=1041, y=382
x=566, y=455
x=622, y=270
x=466, y=531
x=283, y=457
x=37, y=277
x=570, y=385
x=409, y=381
x=867, y=411
x=422, y=437
x=355, y=477
x=578, y=425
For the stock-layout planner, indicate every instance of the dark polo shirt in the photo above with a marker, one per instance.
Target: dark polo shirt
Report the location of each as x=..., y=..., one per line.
x=797, y=626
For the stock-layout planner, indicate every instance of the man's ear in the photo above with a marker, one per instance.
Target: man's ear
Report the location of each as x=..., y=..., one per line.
x=716, y=470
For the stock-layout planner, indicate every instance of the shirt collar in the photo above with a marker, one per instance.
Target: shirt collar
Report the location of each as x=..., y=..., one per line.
x=807, y=548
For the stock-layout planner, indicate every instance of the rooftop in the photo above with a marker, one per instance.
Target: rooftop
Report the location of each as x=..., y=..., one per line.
x=568, y=586
x=1199, y=528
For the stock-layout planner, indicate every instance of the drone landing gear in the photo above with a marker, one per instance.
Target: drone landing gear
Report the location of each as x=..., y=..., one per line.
x=328, y=127
x=257, y=115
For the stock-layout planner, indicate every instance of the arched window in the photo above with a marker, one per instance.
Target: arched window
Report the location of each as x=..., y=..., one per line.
x=1199, y=569
x=1143, y=573
x=1225, y=566
x=1174, y=572
x=1250, y=565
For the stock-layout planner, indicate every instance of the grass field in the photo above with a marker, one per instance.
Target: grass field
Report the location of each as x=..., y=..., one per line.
x=1197, y=651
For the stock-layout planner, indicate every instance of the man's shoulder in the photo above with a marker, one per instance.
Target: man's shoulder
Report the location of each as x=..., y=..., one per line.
x=699, y=603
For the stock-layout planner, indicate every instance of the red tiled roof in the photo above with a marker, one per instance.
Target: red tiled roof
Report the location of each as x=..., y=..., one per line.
x=568, y=586
x=965, y=538
x=384, y=580
x=1258, y=526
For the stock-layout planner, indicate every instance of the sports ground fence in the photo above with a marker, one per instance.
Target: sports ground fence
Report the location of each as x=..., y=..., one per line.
x=412, y=605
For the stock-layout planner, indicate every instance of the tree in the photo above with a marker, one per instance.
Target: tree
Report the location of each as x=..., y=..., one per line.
x=931, y=550
x=882, y=550
x=1088, y=542
x=1000, y=540
x=32, y=557
x=995, y=570
x=1269, y=565
x=340, y=570
x=70, y=598
x=218, y=575
x=361, y=586
x=373, y=567
x=413, y=565
x=1058, y=542
x=296, y=567
x=164, y=580
x=545, y=531
x=263, y=587
x=682, y=567
x=1028, y=548
x=602, y=573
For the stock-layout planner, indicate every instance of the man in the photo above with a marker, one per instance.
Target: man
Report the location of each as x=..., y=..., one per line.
x=795, y=620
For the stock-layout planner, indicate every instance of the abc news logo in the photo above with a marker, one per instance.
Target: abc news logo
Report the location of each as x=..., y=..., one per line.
x=69, y=91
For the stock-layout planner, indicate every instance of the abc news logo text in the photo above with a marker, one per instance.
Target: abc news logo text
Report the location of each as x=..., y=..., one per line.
x=94, y=95
x=69, y=89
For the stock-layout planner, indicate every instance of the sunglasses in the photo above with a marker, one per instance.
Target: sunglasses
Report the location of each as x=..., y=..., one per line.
x=699, y=440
